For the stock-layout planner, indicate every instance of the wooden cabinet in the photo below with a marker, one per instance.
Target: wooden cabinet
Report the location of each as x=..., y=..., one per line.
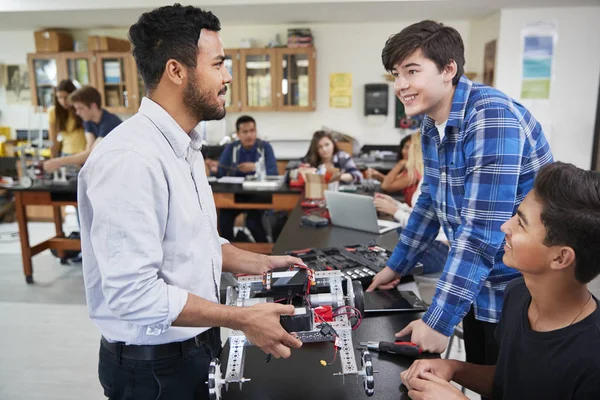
x=118, y=82
x=113, y=74
x=278, y=79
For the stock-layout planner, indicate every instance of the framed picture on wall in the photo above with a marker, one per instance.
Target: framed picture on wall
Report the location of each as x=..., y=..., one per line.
x=489, y=63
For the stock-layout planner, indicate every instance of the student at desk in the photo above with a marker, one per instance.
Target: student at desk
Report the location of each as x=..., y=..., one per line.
x=324, y=153
x=98, y=122
x=64, y=121
x=400, y=178
x=239, y=159
x=549, y=332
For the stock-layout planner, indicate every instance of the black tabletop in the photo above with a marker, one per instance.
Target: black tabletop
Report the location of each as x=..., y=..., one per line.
x=302, y=377
x=295, y=236
x=239, y=189
x=49, y=186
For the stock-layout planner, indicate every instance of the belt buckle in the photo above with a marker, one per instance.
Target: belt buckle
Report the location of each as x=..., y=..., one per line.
x=197, y=341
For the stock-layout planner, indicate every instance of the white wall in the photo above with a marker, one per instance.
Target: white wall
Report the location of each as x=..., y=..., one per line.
x=14, y=49
x=353, y=48
x=569, y=116
x=482, y=31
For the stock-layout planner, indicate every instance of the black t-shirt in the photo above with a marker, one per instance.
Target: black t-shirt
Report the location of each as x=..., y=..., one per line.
x=561, y=364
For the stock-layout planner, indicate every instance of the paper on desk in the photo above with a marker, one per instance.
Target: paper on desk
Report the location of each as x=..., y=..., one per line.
x=232, y=179
x=212, y=178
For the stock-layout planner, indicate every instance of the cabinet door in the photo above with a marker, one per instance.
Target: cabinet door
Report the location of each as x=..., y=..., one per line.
x=43, y=77
x=232, y=63
x=257, y=69
x=296, y=79
x=80, y=68
x=136, y=87
x=114, y=82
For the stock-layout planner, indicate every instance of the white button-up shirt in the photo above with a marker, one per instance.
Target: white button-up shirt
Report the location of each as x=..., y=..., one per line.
x=148, y=229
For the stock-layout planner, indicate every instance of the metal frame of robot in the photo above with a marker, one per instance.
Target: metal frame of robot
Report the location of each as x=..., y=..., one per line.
x=341, y=324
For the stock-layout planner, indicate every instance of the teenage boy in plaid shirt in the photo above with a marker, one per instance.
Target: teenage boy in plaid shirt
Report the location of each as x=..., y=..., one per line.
x=481, y=151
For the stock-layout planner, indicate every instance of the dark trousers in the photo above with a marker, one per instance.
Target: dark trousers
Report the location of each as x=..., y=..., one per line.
x=480, y=344
x=181, y=377
x=253, y=221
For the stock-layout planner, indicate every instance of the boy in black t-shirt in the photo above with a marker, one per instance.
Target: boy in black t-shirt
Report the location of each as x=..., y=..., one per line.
x=549, y=332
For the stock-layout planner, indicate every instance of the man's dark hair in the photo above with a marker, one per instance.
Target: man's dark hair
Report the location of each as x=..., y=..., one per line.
x=570, y=199
x=441, y=44
x=87, y=95
x=242, y=120
x=170, y=32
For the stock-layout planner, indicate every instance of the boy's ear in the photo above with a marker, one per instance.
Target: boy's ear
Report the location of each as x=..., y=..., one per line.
x=450, y=69
x=563, y=258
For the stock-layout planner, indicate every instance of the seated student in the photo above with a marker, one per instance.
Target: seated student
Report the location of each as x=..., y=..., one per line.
x=63, y=121
x=436, y=255
x=399, y=179
x=549, y=332
x=238, y=159
x=97, y=123
x=324, y=153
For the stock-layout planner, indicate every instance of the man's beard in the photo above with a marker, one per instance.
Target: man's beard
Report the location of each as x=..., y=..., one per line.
x=198, y=102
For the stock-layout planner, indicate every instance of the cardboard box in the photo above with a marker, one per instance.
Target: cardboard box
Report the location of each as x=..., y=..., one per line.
x=314, y=186
x=50, y=41
x=105, y=43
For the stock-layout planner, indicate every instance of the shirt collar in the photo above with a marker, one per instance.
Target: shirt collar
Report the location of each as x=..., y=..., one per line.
x=177, y=138
x=458, y=108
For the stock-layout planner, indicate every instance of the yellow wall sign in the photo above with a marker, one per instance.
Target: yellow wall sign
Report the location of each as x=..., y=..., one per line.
x=340, y=90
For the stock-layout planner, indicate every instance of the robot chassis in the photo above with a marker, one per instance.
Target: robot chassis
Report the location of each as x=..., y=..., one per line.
x=327, y=289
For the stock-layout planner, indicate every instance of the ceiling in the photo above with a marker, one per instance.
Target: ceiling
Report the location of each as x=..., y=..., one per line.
x=22, y=14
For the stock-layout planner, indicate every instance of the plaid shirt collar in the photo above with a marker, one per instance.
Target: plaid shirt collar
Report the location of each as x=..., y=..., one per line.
x=459, y=106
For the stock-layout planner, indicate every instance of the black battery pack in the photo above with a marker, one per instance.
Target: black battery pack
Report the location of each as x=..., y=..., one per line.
x=301, y=321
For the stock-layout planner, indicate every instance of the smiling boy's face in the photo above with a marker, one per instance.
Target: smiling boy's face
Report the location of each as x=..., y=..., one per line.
x=525, y=235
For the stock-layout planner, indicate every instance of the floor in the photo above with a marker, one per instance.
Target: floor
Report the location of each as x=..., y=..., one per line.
x=48, y=345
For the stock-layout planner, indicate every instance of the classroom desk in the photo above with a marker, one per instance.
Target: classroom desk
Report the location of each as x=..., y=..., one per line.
x=234, y=196
x=44, y=194
x=301, y=376
x=58, y=195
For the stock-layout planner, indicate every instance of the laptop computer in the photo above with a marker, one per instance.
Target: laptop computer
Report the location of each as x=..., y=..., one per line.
x=356, y=211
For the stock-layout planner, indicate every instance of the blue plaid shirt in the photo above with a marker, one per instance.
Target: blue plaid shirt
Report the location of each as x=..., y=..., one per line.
x=474, y=181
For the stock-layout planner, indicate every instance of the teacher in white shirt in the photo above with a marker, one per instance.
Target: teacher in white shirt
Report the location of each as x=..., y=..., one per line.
x=152, y=256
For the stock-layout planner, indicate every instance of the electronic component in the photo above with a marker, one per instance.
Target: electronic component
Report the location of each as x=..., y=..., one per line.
x=301, y=321
x=314, y=221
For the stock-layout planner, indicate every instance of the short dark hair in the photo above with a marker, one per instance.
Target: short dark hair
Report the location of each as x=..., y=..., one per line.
x=87, y=95
x=441, y=44
x=570, y=199
x=170, y=32
x=242, y=120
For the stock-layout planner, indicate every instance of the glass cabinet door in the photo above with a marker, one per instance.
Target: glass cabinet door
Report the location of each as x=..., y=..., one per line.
x=79, y=70
x=232, y=95
x=297, y=80
x=45, y=78
x=113, y=83
x=257, y=79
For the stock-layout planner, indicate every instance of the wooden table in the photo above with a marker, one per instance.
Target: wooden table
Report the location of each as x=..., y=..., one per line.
x=56, y=196
x=234, y=196
x=52, y=195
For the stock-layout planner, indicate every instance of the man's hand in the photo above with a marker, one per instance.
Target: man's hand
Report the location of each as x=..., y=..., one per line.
x=262, y=328
x=426, y=337
x=443, y=369
x=385, y=204
x=430, y=387
x=385, y=279
x=52, y=165
x=282, y=261
x=246, y=167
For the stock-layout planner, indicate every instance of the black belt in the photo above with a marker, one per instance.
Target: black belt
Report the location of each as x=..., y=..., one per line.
x=158, y=351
